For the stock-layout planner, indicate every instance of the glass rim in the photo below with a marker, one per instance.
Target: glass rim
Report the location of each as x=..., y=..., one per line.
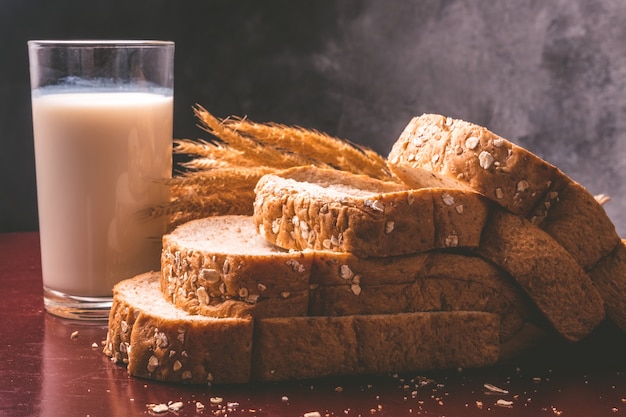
x=102, y=43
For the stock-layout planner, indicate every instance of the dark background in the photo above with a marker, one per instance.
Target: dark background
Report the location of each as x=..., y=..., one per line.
x=550, y=76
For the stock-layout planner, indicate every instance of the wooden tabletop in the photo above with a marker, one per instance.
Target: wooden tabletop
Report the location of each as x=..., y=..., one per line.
x=55, y=367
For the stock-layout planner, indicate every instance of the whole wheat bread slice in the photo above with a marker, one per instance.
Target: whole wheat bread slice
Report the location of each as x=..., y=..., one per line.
x=325, y=209
x=325, y=283
x=511, y=176
x=551, y=277
x=159, y=341
x=219, y=266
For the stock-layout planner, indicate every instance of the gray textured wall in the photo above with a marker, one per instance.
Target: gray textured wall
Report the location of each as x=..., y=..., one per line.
x=549, y=76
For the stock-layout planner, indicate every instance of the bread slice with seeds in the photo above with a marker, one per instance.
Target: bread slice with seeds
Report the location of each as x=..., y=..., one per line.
x=511, y=176
x=551, y=277
x=262, y=281
x=158, y=341
x=219, y=266
x=325, y=209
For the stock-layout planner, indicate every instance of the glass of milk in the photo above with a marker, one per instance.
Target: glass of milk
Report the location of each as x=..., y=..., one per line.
x=102, y=123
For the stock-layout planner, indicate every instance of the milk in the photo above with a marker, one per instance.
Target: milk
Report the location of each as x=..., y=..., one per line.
x=99, y=161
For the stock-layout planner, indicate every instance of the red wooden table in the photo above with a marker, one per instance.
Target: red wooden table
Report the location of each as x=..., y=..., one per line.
x=44, y=371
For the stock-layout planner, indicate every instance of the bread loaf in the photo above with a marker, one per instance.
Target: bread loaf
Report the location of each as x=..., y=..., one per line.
x=157, y=340
x=325, y=209
x=459, y=263
x=472, y=156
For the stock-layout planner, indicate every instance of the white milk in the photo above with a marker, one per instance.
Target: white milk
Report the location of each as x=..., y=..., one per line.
x=98, y=156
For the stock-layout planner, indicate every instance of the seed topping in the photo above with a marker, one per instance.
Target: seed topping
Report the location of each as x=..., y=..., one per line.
x=210, y=275
x=276, y=225
x=295, y=265
x=452, y=241
x=203, y=296
x=471, y=142
x=522, y=185
x=345, y=272
x=160, y=339
x=485, y=160
x=153, y=363
x=375, y=205
x=498, y=143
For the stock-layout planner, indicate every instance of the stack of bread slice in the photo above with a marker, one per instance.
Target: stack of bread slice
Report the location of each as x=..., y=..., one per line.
x=476, y=251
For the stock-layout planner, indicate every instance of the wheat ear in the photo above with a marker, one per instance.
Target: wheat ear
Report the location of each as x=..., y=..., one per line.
x=315, y=146
x=253, y=150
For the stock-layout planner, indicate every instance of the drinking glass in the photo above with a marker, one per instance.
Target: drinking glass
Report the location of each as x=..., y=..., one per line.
x=102, y=121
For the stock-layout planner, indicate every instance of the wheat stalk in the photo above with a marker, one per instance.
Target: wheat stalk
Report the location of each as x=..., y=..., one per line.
x=210, y=155
x=315, y=146
x=221, y=175
x=227, y=179
x=252, y=149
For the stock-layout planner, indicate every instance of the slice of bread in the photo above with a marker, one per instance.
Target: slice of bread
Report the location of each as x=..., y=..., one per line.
x=325, y=209
x=551, y=277
x=609, y=277
x=265, y=281
x=157, y=340
x=510, y=176
x=219, y=266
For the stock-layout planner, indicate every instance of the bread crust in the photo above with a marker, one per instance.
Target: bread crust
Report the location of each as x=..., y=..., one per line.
x=156, y=340
x=551, y=277
x=609, y=277
x=322, y=209
x=471, y=154
x=436, y=281
x=311, y=347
